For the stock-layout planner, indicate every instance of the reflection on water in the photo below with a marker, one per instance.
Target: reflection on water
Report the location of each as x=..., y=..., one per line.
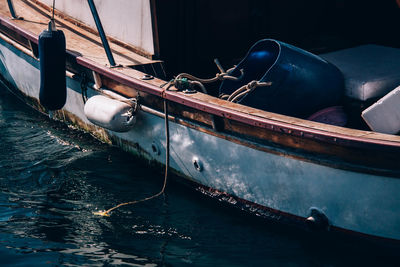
x=53, y=178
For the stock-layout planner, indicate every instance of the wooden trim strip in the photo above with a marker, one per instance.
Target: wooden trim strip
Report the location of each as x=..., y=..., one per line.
x=27, y=34
x=120, y=77
x=278, y=126
x=17, y=45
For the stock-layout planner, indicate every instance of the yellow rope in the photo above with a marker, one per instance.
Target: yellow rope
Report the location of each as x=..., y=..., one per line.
x=107, y=212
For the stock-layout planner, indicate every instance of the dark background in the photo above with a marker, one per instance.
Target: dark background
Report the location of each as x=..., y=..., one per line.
x=194, y=32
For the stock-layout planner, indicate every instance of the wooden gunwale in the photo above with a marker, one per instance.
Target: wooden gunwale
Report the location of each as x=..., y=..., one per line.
x=246, y=118
x=286, y=127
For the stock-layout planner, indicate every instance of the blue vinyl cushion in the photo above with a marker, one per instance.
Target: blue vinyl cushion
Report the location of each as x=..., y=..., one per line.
x=370, y=71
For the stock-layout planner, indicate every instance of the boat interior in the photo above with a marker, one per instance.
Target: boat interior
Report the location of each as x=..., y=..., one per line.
x=352, y=46
x=359, y=37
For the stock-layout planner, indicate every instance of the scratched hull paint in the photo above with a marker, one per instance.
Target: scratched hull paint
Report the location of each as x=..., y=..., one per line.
x=358, y=202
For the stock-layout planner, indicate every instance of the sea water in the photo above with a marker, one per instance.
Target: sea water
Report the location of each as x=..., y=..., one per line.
x=53, y=178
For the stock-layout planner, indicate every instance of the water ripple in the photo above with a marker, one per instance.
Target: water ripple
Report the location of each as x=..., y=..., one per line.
x=52, y=178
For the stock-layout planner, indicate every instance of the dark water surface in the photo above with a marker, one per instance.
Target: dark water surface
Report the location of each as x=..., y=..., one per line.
x=52, y=178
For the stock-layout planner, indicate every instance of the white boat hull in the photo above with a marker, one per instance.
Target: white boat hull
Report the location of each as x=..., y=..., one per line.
x=357, y=202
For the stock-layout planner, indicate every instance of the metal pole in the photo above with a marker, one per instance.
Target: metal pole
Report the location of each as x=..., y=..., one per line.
x=12, y=10
x=101, y=33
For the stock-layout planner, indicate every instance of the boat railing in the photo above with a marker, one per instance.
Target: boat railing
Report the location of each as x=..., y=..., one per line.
x=12, y=10
x=101, y=32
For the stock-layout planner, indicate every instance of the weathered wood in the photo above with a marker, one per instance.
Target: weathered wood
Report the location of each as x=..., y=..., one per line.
x=133, y=28
x=88, y=44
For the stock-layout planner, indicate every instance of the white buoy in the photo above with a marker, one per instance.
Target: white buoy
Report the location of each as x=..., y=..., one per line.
x=109, y=113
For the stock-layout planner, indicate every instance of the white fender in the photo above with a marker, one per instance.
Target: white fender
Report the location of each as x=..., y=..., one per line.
x=109, y=113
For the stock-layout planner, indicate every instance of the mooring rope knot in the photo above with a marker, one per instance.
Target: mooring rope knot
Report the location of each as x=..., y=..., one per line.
x=187, y=82
x=238, y=94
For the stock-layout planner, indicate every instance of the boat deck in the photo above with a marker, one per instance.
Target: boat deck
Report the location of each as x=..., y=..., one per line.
x=87, y=44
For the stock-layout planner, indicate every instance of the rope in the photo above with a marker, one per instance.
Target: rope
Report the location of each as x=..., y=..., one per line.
x=186, y=81
x=52, y=23
x=54, y=3
x=218, y=77
x=107, y=212
x=84, y=88
x=133, y=102
x=245, y=89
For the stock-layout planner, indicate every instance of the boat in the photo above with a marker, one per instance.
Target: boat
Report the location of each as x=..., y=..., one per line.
x=318, y=171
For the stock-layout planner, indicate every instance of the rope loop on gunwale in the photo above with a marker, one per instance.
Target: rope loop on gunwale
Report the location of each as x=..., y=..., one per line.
x=238, y=94
x=187, y=82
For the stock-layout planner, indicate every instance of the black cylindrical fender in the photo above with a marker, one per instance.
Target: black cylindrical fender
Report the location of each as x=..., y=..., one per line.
x=52, y=55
